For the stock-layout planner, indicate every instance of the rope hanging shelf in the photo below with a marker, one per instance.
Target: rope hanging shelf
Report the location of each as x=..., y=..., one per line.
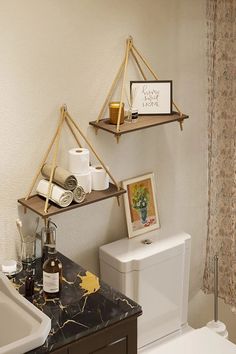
x=45, y=208
x=143, y=121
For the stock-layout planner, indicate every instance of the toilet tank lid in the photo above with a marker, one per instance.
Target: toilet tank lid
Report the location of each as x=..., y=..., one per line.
x=133, y=254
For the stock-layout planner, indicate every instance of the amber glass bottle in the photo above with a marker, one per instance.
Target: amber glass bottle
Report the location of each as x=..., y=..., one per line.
x=52, y=274
x=29, y=282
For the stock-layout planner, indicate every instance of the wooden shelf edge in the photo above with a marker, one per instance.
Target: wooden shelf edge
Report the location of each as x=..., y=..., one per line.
x=143, y=122
x=36, y=203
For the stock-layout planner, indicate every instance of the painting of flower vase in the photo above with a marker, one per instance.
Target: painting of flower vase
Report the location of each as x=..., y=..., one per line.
x=140, y=205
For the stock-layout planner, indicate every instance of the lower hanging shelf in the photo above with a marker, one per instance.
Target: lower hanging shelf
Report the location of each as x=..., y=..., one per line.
x=37, y=203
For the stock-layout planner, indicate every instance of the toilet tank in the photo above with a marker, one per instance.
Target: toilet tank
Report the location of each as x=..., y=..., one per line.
x=155, y=274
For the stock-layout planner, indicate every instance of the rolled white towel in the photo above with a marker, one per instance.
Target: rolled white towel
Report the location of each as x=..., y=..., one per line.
x=79, y=194
x=58, y=195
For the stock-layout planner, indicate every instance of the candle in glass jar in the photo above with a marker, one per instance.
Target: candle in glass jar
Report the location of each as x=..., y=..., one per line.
x=114, y=112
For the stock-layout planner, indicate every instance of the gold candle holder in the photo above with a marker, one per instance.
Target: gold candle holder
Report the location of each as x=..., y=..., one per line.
x=114, y=112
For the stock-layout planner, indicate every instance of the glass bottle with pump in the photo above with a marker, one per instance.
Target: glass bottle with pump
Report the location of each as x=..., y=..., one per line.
x=52, y=270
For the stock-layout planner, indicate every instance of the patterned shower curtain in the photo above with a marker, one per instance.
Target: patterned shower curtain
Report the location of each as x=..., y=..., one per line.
x=221, y=238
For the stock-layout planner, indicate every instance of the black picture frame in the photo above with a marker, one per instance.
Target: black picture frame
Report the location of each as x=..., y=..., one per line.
x=152, y=97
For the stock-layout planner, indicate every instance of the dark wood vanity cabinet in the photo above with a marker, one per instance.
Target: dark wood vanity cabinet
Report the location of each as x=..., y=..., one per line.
x=114, y=348
x=120, y=338
x=62, y=351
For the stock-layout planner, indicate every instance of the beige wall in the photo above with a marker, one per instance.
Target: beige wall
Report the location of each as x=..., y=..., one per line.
x=60, y=51
x=56, y=52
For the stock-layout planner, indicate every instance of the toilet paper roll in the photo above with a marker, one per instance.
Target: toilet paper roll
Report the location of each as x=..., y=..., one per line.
x=58, y=195
x=84, y=180
x=78, y=160
x=100, y=178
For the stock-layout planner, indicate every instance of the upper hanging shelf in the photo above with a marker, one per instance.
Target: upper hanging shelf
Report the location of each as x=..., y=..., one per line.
x=143, y=121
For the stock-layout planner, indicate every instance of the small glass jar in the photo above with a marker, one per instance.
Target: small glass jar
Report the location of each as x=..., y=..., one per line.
x=134, y=114
x=28, y=249
x=114, y=112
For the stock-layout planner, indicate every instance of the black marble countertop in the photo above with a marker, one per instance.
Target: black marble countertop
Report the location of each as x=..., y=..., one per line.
x=86, y=305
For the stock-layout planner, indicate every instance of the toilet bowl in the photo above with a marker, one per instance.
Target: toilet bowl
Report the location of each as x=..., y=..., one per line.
x=155, y=274
x=198, y=341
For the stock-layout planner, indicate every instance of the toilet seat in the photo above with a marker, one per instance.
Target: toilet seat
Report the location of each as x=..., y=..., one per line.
x=198, y=341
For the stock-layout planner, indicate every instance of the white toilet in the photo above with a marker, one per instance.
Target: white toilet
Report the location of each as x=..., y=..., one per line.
x=153, y=270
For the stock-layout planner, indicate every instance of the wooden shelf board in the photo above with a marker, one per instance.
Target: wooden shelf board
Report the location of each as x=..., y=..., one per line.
x=142, y=123
x=36, y=203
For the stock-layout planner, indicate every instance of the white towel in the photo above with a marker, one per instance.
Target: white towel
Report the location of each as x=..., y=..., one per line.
x=79, y=194
x=58, y=195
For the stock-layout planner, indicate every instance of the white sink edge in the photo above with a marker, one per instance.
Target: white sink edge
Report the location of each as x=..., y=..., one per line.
x=33, y=340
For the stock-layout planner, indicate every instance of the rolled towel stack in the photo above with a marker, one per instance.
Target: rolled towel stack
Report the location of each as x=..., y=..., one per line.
x=58, y=195
x=63, y=182
x=61, y=176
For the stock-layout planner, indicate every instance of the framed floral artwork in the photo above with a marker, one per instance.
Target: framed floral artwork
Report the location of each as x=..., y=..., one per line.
x=140, y=205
